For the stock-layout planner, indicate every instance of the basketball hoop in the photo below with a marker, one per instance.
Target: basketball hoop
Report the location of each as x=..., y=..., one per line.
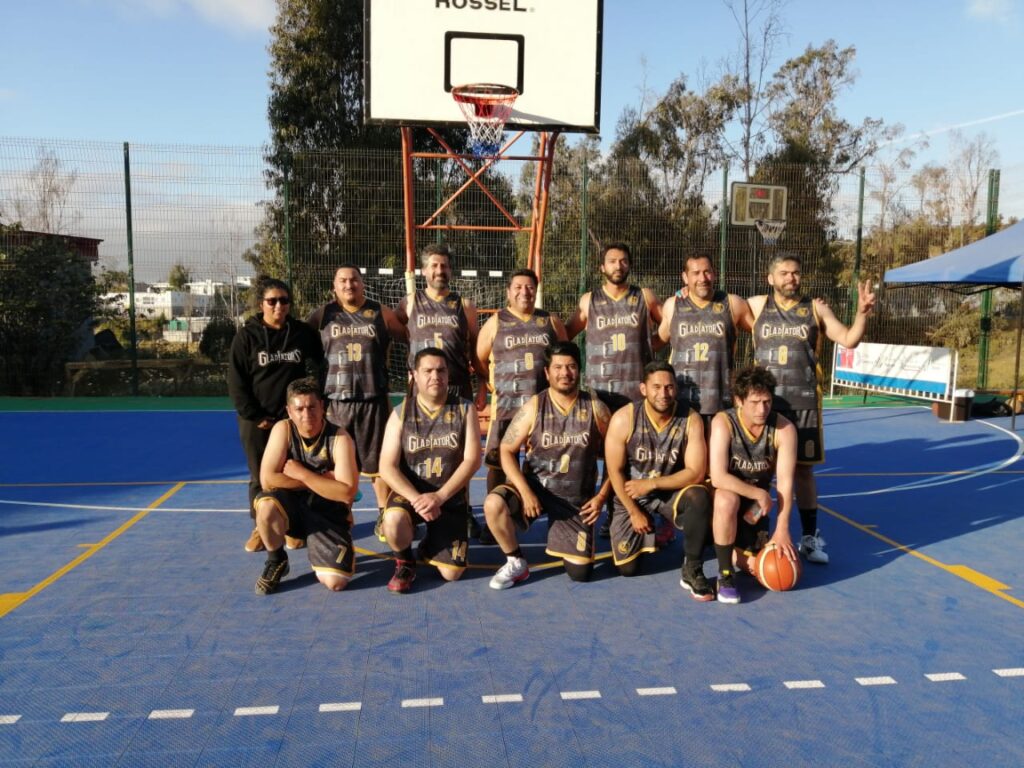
x=771, y=229
x=486, y=107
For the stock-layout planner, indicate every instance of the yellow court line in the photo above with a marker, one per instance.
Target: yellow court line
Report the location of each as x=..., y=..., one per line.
x=968, y=574
x=11, y=600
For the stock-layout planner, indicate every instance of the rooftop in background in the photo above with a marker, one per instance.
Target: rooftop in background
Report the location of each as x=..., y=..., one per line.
x=86, y=247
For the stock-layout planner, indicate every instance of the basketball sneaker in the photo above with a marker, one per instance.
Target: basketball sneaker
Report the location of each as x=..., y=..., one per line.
x=511, y=573
x=813, y=548
x=273, y=572
x=605, y=531
x=665, y=534
x=291, y=542
x=727, y=592
x=486, y=538
x=695, y=582
x=472, y=527
x=378, y=528
x=254, y=543
x=405, y=575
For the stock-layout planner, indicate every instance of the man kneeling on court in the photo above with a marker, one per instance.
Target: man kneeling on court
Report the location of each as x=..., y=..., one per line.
x=431, y=450
x=308, y=476
x=563, y=430
x=656, y=455
x=749, y=444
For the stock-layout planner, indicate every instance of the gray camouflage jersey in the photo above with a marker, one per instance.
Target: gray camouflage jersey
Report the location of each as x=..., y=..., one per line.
x=356, y=348
x=653, y=452
x=752, y=459
x=703, y=343
x=787, y=342
x=443, y=325
x=317, y=453
x=517, y=359
x=433, y=442
x=618, y=342
x=563, y=448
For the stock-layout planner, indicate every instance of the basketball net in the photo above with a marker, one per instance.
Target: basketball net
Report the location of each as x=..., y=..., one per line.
x=771, y=230
x=486, y=107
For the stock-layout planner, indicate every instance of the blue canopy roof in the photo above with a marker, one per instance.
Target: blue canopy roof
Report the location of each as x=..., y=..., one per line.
x=998, y=260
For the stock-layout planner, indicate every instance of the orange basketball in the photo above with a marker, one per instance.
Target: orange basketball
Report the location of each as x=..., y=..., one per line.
x=775, y=571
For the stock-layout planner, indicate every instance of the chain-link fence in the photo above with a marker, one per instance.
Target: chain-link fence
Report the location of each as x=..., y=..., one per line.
x=178, y=233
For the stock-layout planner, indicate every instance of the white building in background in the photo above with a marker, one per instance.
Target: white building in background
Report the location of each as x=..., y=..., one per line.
x=154, y=303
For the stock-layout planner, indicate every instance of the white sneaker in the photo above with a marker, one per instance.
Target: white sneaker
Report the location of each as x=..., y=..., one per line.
x=511, y=573
x=813, y=548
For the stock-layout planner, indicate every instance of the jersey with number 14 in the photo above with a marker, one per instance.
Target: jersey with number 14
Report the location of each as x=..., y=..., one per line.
x=433, y=441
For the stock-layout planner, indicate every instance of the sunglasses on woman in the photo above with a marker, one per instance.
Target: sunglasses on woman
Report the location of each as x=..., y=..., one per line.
x=275, y=300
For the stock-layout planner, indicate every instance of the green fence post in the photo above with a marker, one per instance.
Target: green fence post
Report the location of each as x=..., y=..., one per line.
x=851, y=305
x=991, y=222
x=584, y=235
x=131, y=273
x=722, y=226
x=288, y=230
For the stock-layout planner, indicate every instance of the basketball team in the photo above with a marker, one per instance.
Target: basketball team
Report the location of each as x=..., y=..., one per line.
x=690, y=445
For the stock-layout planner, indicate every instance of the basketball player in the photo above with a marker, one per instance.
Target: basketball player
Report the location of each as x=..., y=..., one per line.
x=431, y=450
x=655, y=454
x=437, y=317
x=511, y=347
x=787, y=341
x=309, y=478
x=701, y=327
x=619, y=319
x=356, y=333
x=562, y=429
x=750, y=443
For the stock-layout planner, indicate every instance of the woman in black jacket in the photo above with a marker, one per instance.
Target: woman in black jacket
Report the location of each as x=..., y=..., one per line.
x=270, y=350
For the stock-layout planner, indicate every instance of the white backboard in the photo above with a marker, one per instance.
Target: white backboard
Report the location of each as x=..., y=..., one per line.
x=549, y=50
x=750, y=202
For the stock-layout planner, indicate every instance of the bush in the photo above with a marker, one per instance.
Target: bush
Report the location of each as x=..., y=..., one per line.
x=217, y=337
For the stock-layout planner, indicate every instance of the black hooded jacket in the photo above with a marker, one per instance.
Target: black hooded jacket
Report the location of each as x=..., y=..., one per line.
x=265, y=360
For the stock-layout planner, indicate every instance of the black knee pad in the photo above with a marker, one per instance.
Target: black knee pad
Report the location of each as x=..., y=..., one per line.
x=579, y=572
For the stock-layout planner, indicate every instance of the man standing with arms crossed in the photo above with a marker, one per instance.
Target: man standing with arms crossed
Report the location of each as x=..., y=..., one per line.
x=787, y=335
x=431, y=450
x=356, y=333
x=562, y=429
x=619, y=319
x=701, y=328
x=656, y=458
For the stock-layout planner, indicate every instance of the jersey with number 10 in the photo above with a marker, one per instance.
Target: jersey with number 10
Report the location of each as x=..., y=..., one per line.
x=618, y=342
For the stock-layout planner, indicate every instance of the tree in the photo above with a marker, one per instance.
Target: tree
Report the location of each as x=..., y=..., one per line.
x=760, y=26
x=179, y=277
x=43, y=199
x=971, y=161
x=47, y=301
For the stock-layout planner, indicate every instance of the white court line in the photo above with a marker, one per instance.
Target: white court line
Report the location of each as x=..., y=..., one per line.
x=249, y=711
x=883, y=680
x=9, y=719
x=1011, y=672
x=666, y=691
x=578, y=695
x=342, y=706
x=85, y=717
x=171, y=714
x=945, y=677
x=503, y=698
x=797, y=684
x=407, y=703
x=730, y=687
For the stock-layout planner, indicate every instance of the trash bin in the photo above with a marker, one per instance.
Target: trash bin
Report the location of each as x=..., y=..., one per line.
x=962, y=401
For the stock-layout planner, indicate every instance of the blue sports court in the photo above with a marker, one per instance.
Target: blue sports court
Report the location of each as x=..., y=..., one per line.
x=130, y=633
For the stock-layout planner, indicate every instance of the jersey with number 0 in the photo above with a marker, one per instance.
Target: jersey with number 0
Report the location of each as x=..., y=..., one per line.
x=752, y=459
x=563, y=447
x=787, y=343
x=618, y=342
x=315, y=453
x=652, y=451
x=433, y=441
x=442, y=325
x=356, y=347
x=517, y=359
x=703, y=342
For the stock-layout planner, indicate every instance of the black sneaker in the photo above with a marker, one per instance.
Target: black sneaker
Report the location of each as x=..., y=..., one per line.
x=694, y=582
x=473, y=528
x=486, y=537
x=273, y=572
x=605, y=531
x=727, y=592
